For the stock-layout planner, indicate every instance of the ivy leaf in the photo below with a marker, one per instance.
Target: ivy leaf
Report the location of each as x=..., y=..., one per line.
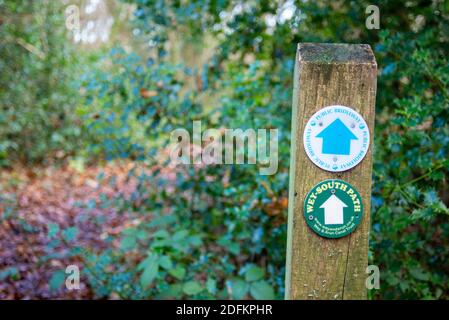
x=232, y=247
x=392, y=280
x=128, y=242
x=254, y=273
x=238, y=288
x=419, y=274
x=192, y=287
x=261, y=290
x=178, y=272
x=195, y=240
x=144, y=263
x=180, y=235
x=150, y=271
x=161, y=234
x=165, y=262
x=173, y=291
x=404, y=286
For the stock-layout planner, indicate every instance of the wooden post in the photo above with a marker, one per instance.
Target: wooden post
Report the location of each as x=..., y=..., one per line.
x=317, y=267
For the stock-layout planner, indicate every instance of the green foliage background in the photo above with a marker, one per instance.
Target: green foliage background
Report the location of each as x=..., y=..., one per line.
x=38, y=91
x=221, y=232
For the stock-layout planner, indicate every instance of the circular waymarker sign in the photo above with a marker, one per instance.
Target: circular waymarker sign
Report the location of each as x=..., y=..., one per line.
x=336, y=138
x=333, y=208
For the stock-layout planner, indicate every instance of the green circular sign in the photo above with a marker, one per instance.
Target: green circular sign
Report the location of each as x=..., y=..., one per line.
x=333, y=208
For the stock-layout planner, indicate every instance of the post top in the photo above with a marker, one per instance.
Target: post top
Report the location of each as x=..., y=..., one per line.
x=338, y=53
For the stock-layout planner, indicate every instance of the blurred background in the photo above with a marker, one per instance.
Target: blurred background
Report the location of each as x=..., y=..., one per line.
x=90, y=91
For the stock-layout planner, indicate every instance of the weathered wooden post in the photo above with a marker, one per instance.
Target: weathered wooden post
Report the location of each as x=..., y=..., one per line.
x=330, y=171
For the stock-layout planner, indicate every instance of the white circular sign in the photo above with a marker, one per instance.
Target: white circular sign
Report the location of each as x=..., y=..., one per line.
x=336, y=138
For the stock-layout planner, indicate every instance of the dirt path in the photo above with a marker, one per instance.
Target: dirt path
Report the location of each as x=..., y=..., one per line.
x=31, y=200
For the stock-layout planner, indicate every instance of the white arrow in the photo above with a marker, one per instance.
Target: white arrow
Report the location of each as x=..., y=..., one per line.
x=333, y=210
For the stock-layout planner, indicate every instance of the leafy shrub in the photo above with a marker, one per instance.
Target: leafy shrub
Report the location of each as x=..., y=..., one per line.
x=202, y=239
x=220, y=231
x=38, y=89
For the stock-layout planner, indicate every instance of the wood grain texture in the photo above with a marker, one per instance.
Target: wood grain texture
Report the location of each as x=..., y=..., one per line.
x=320, y=268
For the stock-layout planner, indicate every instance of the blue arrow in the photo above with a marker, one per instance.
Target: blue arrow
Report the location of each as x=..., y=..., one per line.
x=336, y=138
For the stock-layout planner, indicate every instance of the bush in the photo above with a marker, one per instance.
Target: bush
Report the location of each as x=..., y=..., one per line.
x=38, y=97
x=220, y=231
